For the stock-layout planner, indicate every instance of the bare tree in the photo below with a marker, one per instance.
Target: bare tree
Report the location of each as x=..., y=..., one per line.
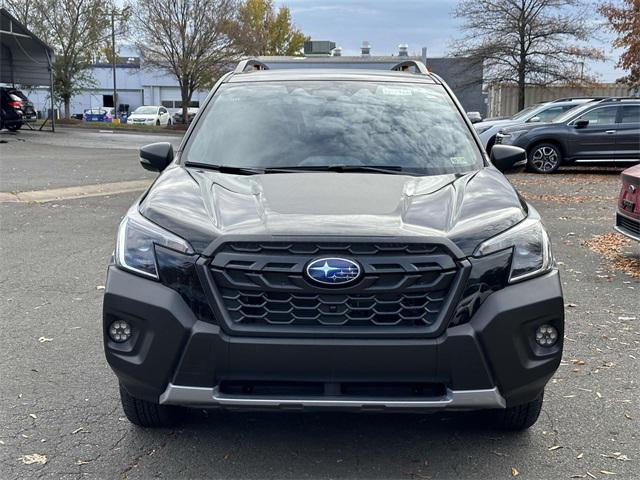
x=75, y=29
x=23, y=10
x=527, y=42
x=187, y=38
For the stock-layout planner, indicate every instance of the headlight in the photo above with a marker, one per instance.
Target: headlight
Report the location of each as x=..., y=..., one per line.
x=531, y=247
x=511, y=136
x=480, y=128
x=135, y=245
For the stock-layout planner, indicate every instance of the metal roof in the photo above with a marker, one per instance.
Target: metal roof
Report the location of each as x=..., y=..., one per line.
x=24, y=58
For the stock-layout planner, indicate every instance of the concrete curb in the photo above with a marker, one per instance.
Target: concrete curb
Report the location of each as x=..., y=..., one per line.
x=68, y=193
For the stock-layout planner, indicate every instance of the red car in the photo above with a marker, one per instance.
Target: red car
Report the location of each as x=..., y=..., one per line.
x=628, y=214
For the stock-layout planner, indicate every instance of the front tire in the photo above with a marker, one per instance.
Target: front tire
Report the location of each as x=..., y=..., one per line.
x=519, y=417
x=157, y=123
x=147, y=414
x=14, y=127
x=544, y=158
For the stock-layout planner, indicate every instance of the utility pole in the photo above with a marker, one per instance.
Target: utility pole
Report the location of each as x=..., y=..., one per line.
x=113, y=58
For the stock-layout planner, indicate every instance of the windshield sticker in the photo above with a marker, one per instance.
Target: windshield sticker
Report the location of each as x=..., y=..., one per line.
x=398, y=91
x=459, y=160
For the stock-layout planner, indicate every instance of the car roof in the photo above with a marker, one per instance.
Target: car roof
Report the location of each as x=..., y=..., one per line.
x=334, y=74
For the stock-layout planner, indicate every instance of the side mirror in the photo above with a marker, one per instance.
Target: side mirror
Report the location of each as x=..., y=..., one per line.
x=581, y=124
x=506, y=156
x=534, y=120
x=156, y=156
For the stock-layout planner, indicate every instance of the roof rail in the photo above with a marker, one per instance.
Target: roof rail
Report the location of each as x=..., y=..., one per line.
x=587, y=97
x=620, y=99
x=251, y=63
x=408, y=64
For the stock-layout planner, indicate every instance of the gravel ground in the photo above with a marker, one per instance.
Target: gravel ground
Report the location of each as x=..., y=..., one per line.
x=59, y=398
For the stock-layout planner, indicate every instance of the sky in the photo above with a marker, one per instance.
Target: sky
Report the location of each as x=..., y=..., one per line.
x=388, y=23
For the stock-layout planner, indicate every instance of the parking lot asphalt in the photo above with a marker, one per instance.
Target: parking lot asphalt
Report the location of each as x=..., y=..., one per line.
x=59, y=399
x=34, y=160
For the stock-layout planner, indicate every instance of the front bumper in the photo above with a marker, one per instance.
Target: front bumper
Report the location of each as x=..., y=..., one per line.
x=628, y=226
x=490, y=362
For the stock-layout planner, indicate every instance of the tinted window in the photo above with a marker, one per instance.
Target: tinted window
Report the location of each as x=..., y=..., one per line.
x=600, y=116
x=320, y=123
x=551, y=113
x=630, y=114
x=524, y=112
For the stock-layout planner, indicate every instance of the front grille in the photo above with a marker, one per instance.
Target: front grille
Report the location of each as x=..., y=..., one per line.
x=403, y=285
x=633, y=226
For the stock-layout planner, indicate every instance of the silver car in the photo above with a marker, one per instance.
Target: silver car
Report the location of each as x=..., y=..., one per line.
x=541, y=112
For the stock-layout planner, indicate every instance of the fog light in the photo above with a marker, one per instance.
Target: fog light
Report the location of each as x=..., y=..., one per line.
x=546, y=335
x=120, y=331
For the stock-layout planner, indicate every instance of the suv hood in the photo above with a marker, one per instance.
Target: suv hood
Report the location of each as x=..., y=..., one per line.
x=200, y=205
x=524, y=127
x=494, y=123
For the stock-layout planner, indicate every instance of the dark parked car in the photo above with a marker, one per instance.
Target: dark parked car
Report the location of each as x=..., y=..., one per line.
x=605, y=131
x=191, y=114
x=15, y=109
x=628, y=214
x=332, y=239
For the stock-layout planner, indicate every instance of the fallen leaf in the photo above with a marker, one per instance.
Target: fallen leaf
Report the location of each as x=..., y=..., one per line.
x=33, y=415
x=77, y=430
x=591, y=475
x=555, y=447
x=99, y=287
x=83, y=462
x=45, y=339
x=514, y=472
x=34, y=458
x=627, y=416
x=605, y=472
x=580, y=455
x=575, y=361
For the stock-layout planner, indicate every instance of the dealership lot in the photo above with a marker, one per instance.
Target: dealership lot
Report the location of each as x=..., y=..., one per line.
x=59, y=398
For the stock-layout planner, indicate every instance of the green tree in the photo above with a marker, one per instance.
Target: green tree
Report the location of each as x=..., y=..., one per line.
x=75, y=29
x=265, y=31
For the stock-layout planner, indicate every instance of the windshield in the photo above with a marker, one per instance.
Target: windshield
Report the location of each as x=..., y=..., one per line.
x=328, y=123
x=524, y=112
x=146, y=110
x=573, y=112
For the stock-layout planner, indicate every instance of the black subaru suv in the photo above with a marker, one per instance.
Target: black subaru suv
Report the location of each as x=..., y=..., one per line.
x=601, y=131
x=332, y=239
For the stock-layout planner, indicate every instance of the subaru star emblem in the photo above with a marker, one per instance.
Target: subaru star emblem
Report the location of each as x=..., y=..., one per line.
x=333, y=271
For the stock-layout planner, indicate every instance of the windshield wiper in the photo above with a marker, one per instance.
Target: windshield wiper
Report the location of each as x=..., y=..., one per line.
x=391, y=169
x=388, y=169
x=227, y=168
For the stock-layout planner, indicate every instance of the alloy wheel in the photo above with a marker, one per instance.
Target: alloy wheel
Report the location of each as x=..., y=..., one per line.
x=545, y=159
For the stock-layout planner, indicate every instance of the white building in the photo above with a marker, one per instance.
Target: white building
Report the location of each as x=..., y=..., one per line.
x=135, y=86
